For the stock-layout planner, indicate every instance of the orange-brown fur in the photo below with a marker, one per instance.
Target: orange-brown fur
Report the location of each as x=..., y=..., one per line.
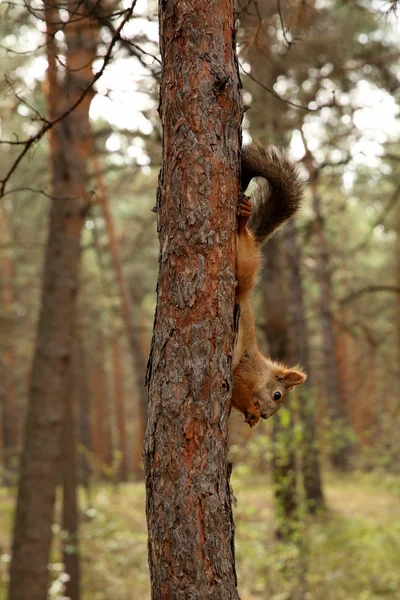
x=256, y=378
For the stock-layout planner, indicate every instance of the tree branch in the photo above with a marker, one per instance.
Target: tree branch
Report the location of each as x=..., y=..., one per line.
x=49, y=124
x=370, y=289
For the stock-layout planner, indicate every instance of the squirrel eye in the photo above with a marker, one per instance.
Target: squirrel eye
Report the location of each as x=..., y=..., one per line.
x=277, y=396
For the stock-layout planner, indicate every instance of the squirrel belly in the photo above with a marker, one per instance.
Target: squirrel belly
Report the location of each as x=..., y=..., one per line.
x=260, y=385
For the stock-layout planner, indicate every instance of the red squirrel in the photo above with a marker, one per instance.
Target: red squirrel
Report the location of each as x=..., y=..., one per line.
x=260, y=385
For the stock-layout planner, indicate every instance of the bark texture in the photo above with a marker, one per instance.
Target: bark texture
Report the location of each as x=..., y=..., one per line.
x=46, y=410
x=190, y=525
x=299, y=335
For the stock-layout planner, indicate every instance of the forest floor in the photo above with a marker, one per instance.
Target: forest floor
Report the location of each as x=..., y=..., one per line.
x=351, y=552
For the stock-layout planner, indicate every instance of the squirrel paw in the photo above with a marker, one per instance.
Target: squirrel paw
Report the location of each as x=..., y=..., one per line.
x=244, y=211
x=244, y=206
x=252, y=417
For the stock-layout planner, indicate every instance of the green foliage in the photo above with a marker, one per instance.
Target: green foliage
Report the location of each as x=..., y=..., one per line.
x=350, y=552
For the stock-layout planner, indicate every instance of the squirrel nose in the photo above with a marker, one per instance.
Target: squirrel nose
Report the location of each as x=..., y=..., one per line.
x=264, y=415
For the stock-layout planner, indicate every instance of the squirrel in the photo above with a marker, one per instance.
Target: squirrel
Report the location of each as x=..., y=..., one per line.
x=260, y=385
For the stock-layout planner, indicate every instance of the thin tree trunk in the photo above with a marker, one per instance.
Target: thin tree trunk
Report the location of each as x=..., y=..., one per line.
x=120, y=408
x=299, y=336
x=127, y=307
x=343, y=341
x=277, y=334
x=103, y=437
x=46, y=410
x=189, y=514
x=340, y=452
x=7, y=372
x=397, y=264
x=83, y=394
x=69, y=504
x=368, y=424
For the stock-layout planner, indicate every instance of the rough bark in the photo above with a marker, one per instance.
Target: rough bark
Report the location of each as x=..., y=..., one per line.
x=46, y=410
x=299, y=336
x=8, y=407
x=189, y=516
x=120, y=408
x=277, y=334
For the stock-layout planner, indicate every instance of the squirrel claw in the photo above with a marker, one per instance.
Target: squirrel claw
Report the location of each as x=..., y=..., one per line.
x=252, y=417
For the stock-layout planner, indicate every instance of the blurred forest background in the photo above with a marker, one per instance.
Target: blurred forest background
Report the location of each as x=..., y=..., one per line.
x=321, y=77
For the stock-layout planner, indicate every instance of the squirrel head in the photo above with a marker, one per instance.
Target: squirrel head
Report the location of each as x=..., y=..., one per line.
x=272, y=393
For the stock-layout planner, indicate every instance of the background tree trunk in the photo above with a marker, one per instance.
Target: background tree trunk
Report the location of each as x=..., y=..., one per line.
x=69, y=502
x=45, y=417
x=127, y=309
x=8, y=406
x=189, y=515
x=83, y=405
x=397, y=267
x=337, y=407
x=101, y=406
x=276, y=330
x=120, y=408
x=299, y=337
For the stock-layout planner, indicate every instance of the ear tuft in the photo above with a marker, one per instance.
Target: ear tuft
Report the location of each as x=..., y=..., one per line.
x=293, y=378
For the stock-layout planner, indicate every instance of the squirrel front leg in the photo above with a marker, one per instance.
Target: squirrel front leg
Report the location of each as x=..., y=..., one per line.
x=248, y=253
x=242, y=397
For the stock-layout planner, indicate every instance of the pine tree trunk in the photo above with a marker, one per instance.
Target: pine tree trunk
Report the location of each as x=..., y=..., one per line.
x=299, y=336
x=189, y=515
x=277, y=334
x=83, y=402
x=127, y=307
x=120, y=408
x=397, y=266
x=69, y=462
x=8, y=409
x=102, y=422
x=338, y=413
x=46, y=410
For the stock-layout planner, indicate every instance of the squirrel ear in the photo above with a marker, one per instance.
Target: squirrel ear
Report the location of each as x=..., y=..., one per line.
x=293, y=378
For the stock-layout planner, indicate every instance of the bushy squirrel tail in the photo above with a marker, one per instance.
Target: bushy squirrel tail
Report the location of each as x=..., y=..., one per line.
x=278, y=195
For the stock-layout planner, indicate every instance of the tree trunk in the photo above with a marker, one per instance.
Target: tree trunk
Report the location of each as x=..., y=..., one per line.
x=69, y=504
x=338, y=413
x=277, y=334
x=7, y=388
x=397, y=266
x=83, y=393
x=127, y=307
x=102, y=422
x=299, y=336
x=120, y=408
x=189, y=515
x=46, y=410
